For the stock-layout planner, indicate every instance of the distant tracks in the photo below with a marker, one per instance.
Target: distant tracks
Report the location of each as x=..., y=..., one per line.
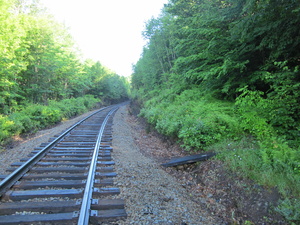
x=67, y=180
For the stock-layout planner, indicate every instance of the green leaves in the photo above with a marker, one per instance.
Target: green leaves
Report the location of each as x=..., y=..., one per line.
x=33, y=117
x=243, y=51
x=40, y=62
x=223, y=46
x=195, y=120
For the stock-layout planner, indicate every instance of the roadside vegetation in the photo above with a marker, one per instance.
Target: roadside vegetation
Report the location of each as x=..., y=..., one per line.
x=224, y=76
x=43, y=78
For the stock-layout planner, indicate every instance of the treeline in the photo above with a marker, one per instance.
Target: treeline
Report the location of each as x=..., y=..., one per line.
x=226, y=73
x=39, y=61
x=41, y=68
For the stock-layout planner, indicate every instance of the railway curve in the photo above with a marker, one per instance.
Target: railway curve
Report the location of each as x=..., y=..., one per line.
x=68, y=180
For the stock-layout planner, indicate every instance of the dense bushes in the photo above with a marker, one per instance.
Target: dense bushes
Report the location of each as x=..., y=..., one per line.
x=243, y=133
x=198, y=121
x=34, y=116
x=74, y=106
x=224, y=76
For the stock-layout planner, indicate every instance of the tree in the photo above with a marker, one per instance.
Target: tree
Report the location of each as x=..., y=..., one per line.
x=39, y=59
x=11, y=63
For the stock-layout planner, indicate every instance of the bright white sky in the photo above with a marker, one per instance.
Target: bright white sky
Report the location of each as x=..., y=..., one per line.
x=108, y=31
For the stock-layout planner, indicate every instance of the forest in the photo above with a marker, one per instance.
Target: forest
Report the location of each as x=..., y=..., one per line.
x=215, y=75
x=223, y=76
x=43, y=77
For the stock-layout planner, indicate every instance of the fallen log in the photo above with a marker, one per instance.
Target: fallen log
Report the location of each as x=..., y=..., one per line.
x=189, y=159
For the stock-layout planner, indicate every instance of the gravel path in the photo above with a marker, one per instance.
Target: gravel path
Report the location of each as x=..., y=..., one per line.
x=152, y=195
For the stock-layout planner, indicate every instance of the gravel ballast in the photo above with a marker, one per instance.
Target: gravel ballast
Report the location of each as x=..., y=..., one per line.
x=152, y=196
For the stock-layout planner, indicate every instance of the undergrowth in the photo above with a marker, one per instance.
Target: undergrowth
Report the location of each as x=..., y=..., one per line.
x=247, y=135
x=33, y=117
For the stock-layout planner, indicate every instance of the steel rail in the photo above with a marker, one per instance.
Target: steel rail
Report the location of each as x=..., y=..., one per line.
x=9, y=181
x=85, y=210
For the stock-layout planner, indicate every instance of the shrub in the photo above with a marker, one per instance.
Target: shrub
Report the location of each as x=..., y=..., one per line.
x=33, y=116
x=7, y=129
x=43, y=116
x=23, y=123
x=72, y=107
x=195, y=119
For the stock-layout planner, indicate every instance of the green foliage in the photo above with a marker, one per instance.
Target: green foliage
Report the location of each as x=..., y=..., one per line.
x=257, y=117
x=45, y=115
x=290, y=209
x=23, y=123
x=7, y=126
x=252, y=108
x=75, y=106
x=39, y=61
x=34, y=116
x=197, y=121
x=202, y=54
x=42, y=77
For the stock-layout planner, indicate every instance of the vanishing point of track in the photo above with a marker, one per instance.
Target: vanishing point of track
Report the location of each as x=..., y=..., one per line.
x=66, y=181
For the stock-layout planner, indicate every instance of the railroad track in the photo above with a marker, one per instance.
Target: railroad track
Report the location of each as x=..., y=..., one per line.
x=66, y=181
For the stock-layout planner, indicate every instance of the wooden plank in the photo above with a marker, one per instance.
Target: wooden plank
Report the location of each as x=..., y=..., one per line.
x=76, y=154
x=84, y=164
x=105, y=191
x=50, y=184
x=59, y=169
x=105, y=174
x=61, y=159
x=105, y=204
x=86, y=132
x=25, y=195
x=80, y=148
x=77, y=164
x=68, y=169
x=54, y=169
x=105, y=163
x=108, y=215
x=73, y=176
x=60, y=184
x=45, y=206
x=104, y=169
x=49, y=159
x=73, y=151
x=85, y=136
x=106, y=148
x=81, y=139
x=104, y=143
x=66, y=218
x=72, y=154
x=105, y=158
x=76, y=144
x=189, y=159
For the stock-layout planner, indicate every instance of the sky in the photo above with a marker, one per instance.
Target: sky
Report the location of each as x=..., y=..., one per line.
x=108, y=31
